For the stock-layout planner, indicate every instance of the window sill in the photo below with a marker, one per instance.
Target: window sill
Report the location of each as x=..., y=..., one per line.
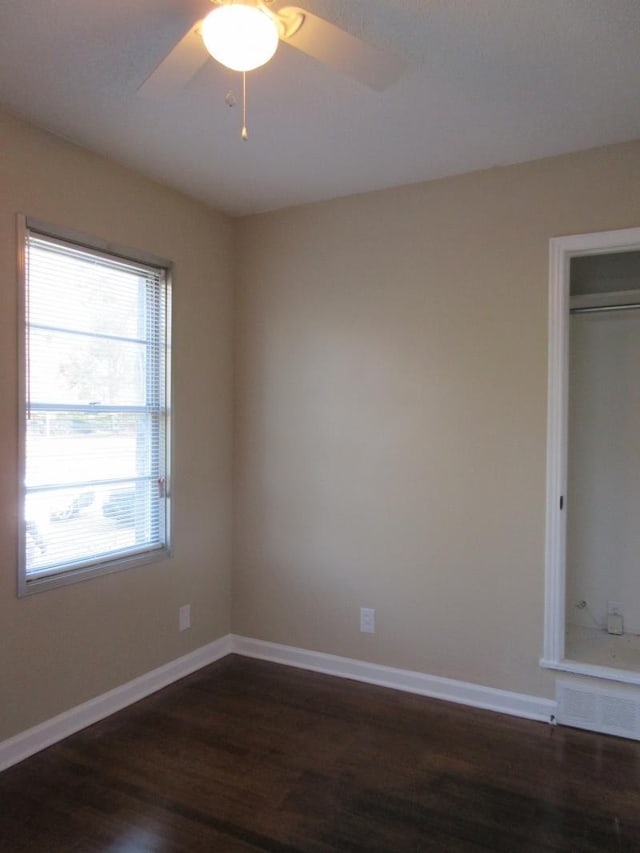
x=55, y=580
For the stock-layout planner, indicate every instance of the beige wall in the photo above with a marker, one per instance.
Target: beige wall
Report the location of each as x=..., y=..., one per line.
x=391, y=415
x=390, y=400
x=61, y=647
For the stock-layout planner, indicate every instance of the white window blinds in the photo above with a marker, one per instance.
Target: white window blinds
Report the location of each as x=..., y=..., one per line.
x=96, y=409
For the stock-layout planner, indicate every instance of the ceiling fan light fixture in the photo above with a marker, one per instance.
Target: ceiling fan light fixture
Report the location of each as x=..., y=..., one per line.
x=240, y=37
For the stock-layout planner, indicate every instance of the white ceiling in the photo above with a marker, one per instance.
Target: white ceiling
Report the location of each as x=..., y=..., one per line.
x=490, y=82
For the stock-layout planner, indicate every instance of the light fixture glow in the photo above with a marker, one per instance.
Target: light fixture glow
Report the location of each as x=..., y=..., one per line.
x=240, y=37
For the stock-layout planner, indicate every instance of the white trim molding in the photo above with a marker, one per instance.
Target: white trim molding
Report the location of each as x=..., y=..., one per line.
x=610, y=673
x=561, y=251
x=436, y=687
x=39, y=737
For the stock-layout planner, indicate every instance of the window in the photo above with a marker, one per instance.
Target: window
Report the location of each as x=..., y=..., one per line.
x=95, y=408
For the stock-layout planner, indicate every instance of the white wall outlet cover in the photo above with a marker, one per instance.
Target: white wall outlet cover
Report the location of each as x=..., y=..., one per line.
x=367, y=620
x=184, y=617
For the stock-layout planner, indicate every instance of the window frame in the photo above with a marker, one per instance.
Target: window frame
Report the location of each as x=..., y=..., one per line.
x=62, y=577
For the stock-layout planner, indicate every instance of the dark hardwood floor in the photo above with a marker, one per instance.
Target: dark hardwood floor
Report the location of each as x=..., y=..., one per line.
x=246, y=755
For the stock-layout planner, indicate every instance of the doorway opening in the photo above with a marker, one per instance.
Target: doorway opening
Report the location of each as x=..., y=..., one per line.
x=592, y=613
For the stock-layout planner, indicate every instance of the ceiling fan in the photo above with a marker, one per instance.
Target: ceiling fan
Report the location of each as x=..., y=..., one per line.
x=297, y=27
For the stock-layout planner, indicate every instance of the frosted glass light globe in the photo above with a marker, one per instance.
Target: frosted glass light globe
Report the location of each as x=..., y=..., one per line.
x=240, y=37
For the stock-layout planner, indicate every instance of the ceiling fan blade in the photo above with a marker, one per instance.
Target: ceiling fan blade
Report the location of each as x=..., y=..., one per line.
x=178, y=67
x=341, y=50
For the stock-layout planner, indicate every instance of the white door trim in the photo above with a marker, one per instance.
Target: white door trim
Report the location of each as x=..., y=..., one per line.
x=561, y=250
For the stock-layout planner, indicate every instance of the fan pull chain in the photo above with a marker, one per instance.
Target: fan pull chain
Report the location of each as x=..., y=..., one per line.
x=244, y=133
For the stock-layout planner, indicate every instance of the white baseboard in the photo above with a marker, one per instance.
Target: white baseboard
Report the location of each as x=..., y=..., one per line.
x=39, y=737
x=463, y=692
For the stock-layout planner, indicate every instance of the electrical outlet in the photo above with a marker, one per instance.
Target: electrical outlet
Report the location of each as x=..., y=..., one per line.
x=367, y=620
x=614, y=608
x=184, y=617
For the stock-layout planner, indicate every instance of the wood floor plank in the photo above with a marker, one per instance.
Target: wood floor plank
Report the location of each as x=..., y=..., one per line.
x=247, y=756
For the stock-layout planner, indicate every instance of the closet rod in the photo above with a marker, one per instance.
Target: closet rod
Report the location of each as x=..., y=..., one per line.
x=592, y=309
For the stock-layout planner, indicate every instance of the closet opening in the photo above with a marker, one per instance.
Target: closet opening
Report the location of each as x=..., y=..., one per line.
x=592, y=613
